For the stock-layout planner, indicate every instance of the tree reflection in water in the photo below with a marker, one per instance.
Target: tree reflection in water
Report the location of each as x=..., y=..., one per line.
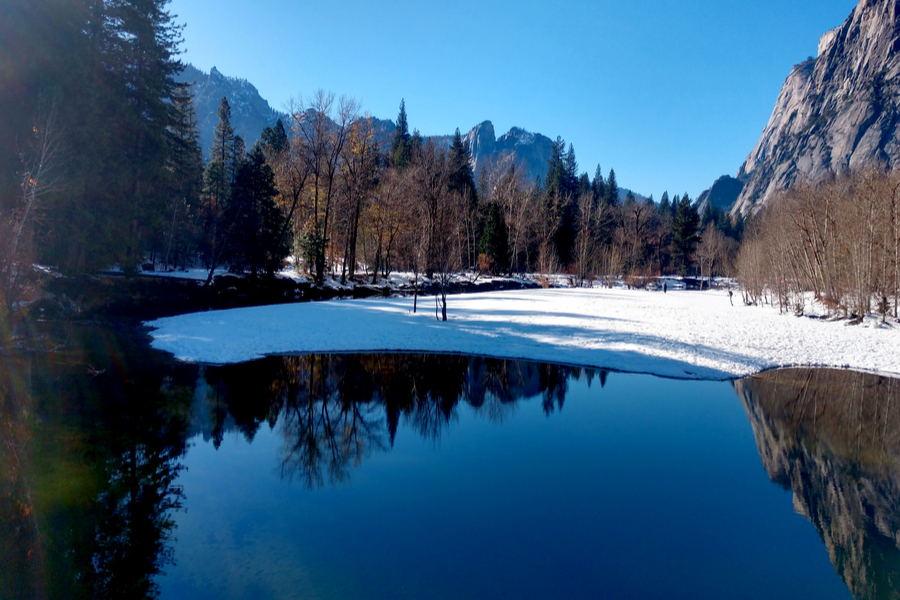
x=335, y=410
x=91, y=438
x=833, y=438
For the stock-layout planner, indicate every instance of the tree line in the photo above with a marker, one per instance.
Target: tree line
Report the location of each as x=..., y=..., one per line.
x=839, y=241
x=320, y=189
x=102, y=166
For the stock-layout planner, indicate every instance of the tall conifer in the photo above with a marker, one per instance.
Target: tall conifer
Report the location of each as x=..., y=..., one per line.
x=400, y=146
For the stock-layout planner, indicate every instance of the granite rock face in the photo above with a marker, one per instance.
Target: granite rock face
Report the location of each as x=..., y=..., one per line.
x=723, y=194
x=250, y=113
x=530, y=152
x=837, y=113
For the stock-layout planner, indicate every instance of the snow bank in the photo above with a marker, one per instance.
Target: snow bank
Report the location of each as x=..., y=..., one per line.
x=691, y=335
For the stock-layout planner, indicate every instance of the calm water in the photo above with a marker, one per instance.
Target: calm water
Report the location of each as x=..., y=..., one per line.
x=123, y=474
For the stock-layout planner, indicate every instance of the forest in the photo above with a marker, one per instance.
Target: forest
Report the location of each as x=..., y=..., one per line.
x=838, y=241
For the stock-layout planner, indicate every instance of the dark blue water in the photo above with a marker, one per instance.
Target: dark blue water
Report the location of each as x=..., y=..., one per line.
x=124, y=474
x=642, y=488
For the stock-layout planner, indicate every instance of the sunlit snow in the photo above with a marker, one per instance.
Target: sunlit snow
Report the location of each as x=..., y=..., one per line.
x=684, y=334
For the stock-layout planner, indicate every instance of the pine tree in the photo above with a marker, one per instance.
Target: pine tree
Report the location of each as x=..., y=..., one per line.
x=493, y=248
x=141, y=55
x=415, y=144
x=685, y=233
x=461, y=180
x=571, y=171
x=254, y=219
x=186, y=179
x=401, y=149
x=555, y=183
x=598, y=186
x=220, y=170
x=612, y=189
x=274, y=139
x=665, y=207
x=218, y=179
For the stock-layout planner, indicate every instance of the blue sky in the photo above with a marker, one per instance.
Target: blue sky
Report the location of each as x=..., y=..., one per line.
x=670, y=93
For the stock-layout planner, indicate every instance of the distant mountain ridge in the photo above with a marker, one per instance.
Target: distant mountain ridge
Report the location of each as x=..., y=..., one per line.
x=836, y=113
x=250, y=114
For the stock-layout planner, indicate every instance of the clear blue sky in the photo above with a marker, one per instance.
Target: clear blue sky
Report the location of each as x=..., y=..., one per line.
x=669, y=93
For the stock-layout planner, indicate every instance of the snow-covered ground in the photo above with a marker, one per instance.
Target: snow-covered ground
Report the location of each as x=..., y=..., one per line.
x=696, y=335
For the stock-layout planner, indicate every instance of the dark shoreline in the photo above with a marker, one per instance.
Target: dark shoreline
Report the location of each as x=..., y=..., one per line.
x=147, y=297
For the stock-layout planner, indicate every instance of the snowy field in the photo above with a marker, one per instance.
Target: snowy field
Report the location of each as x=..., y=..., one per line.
x=683, y=334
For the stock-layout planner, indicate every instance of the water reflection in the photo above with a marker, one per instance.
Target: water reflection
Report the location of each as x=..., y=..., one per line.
x=93, y=436
x=833, y=438
x=335, y=410
x=92, y=433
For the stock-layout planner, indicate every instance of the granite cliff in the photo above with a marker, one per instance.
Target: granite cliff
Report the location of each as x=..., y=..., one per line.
x=836, y=113
x=250, y=113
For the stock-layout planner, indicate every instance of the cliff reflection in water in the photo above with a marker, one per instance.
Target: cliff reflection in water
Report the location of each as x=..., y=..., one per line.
x=335, y=410
x=833, y=438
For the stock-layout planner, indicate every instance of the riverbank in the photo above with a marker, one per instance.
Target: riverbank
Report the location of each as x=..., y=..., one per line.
x=679, y=334
x=164, y=294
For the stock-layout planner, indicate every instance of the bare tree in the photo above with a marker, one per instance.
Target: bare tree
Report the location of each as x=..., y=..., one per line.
x=323, y=130
x=514, y=197
x=359, y=176
x=585, y=238
x=441, y=211
x=711, y=252
x=837, y=240
x=41, y=175
x=387, y=219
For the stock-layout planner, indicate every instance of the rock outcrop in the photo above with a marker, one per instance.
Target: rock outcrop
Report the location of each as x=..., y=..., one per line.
x=528, y=151
x=250, y=113
x=723, y=194
x=836, y=113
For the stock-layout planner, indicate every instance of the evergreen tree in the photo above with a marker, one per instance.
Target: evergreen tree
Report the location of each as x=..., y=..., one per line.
x=240, y=153
x=555, y=168
x=665, y=207
x=254, y=219
x=461, y=179
x=221, y=167
x=218, y=179
x=685, y=233
x=561, y=198
x=401, y=149
x=612, y=189
x=584, y=186
x=186, y=180
x=415, y=144
x=493, y=248
x=141, y=55
x=571, y=171
x=274, y=139
x=598, y=186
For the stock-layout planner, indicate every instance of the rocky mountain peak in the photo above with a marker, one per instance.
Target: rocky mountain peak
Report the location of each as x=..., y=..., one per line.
x=250, y=113
x=835, y=113
x=481, y=140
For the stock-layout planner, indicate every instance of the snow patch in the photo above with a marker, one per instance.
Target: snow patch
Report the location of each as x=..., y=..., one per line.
x=681, y=334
